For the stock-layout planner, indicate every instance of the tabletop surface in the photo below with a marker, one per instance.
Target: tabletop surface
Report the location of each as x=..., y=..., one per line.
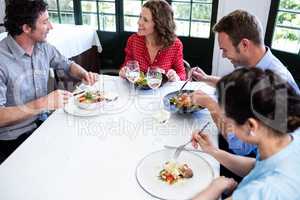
x=71, y=157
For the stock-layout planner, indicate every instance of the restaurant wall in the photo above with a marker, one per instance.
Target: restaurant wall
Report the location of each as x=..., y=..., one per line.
x=2, y=14
x=259, y=8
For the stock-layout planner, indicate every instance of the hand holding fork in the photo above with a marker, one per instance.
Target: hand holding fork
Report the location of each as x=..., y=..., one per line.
x=180, y=148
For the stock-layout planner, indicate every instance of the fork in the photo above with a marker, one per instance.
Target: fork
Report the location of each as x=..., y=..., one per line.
x=180, y=148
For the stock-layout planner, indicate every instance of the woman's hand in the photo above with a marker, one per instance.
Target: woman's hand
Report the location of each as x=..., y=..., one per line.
x=216, y=188
x=203, y=140
x=224, y=184
x=172, y=75
x=202, y=99
x=122, y=72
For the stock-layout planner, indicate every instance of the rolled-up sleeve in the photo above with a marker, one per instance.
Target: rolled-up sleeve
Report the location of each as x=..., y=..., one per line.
x=57, y=60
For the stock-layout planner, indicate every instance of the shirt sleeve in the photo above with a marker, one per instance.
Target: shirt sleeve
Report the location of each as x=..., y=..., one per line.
x=3, y=87
x=238, y=146
x=57, y=60
x=128, y=51
x=178, y=61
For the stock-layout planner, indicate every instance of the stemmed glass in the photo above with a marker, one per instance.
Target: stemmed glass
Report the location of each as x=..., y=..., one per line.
x=154, y=77
x=154, y=80
x=132, y=71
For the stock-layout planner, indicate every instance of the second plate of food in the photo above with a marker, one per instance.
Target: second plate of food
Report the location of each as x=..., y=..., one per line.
x=180, y=102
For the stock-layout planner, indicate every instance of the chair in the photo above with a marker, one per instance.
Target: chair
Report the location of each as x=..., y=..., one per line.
x=187, y=67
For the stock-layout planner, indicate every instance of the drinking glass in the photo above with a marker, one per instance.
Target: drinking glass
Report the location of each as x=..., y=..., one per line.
x=154, y=77
x=132, y=72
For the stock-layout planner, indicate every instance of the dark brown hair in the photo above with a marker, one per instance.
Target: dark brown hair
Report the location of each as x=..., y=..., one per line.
x=263, y=95
x=238, y=25
x=163, y=18
x=20, y=12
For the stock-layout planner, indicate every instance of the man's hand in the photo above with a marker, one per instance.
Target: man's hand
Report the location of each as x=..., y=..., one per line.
x=55, y=100
x=198, y=74
x=89, y=78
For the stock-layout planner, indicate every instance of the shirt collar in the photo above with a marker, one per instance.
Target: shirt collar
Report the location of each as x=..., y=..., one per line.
x=266, y=60
x=17, y=50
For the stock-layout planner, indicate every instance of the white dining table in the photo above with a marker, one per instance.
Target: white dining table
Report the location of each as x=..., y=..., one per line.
x=92, y=158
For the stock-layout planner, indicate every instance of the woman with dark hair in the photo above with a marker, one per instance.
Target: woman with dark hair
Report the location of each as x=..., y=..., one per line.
x=267, y=114
x=155, y=43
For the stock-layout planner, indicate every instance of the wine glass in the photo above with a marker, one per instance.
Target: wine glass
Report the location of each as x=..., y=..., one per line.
x=132, y=71
x=154, y=80
x=154, y=77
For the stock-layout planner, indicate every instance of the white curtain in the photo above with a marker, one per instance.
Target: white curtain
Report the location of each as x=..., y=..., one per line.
x=2, y=14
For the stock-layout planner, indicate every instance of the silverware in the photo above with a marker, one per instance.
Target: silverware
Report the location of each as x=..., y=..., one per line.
x=187, y=80
x=181, y=147
x=78, y=93
x=184, y=149
x=111, y=99
x=180, y=90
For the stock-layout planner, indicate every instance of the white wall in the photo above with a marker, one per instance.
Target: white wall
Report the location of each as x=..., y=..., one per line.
x=260, y=8
x=2, y=13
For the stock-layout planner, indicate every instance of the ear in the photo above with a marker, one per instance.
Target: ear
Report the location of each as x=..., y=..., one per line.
x=26, y=28
x=253, y=125
x=245, y=43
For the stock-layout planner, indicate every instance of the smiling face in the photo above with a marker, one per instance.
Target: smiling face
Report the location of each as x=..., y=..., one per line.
x=41, y=29
x=145, y=23
x=234, y=54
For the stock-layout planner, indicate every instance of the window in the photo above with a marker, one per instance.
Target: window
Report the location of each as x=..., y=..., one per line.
x=61, y=11
x=286, y=36
x=100, y=14
x=132, y=9
x=193, y=17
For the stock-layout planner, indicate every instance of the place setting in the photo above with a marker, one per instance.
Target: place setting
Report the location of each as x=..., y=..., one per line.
x=174, y=173
x=89, y=100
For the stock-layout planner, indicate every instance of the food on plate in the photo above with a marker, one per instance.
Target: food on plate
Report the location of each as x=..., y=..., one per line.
x=90, y=100
x=142, y=81
x=183, y=100
x=91, y=97
x=172, y=172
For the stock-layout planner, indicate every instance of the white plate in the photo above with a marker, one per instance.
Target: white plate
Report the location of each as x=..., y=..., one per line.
x=149, y=167
x=73, y=109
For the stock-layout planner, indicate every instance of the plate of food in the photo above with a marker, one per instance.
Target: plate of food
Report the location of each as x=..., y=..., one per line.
x=180, y=102
x=90, y=100
x=163, y=178
x=142, y=84
x=88, y=103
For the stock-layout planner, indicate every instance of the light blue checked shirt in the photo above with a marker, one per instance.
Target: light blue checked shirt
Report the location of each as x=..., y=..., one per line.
x=24, y=78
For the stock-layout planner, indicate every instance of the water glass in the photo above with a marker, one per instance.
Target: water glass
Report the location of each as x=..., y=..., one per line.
x=154, y=77
x=132, y=71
